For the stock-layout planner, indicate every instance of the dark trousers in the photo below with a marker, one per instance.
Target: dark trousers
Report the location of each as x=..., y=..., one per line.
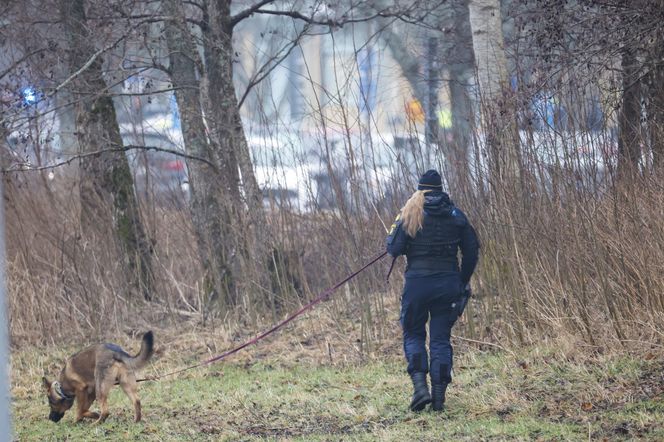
x=425, y=298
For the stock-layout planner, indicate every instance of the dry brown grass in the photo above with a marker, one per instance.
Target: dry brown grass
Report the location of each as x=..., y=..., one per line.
x=572, y=259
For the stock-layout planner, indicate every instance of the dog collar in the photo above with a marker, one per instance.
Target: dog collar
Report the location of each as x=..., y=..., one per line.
x=57, y=387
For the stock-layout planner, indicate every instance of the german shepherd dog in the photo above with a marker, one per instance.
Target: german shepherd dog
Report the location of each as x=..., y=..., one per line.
x=91, y=373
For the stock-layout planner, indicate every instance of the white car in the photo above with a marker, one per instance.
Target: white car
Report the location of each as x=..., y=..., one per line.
x=159, y=172
x=283, y=170
x=302, y=172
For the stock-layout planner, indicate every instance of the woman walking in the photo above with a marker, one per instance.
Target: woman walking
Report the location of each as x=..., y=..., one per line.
x=431, y=231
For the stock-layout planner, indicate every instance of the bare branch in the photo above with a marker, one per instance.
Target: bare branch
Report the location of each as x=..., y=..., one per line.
x=139, y=94
x=400, y=14
x=21, y=60
x=271, y=65
x=26, y=167
x=311, y=20
x=88, y=63
x=237, y=18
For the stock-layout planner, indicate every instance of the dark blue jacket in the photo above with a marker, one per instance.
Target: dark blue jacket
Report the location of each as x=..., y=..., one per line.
x=445, y=231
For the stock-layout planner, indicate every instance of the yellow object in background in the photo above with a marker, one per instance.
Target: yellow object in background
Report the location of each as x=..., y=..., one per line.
x=445, y=118
x=415, y=111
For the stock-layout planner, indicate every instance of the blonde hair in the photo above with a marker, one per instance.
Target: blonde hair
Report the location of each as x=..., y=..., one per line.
x=412, y=213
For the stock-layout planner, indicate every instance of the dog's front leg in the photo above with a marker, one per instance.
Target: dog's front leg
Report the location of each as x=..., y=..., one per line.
x=84, y=401
x=89, y=399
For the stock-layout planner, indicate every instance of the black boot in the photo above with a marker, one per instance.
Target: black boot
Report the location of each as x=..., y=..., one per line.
x=421, y=396
x=438, y=396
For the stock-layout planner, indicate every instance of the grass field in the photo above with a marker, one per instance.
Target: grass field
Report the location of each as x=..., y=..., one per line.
x=262, y=395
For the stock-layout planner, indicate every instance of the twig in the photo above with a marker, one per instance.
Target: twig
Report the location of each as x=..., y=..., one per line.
x=485, y=343
x=267, y=69
x=89, y=63
x=23, y=167
x=237, y=18
x=21, y=60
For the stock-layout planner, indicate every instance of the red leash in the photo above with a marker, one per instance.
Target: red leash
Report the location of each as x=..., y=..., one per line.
x=320, y=298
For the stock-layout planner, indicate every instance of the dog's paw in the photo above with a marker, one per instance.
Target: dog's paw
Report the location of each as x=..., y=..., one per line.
x=101, y=420
x=91, y=414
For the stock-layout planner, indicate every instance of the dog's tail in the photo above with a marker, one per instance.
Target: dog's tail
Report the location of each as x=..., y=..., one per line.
x=147, y=349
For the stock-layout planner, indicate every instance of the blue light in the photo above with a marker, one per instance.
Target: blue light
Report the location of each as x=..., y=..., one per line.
x=29, y=95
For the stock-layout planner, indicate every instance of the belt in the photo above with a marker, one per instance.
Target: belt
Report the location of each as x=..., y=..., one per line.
x=437, y=265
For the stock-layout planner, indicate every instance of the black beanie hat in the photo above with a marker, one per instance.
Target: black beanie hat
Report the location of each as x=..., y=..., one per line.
x=430, y=181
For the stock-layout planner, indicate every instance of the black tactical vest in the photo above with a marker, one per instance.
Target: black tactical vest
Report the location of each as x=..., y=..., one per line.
x=436, y=245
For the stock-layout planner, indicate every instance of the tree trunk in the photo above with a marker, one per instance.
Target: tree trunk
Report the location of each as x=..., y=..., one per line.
x=219, y=93
x=492, y=76
x=656, y=104
x=212, y=221
x=458, y=54
x=462, y=127
x=488, y=46
x=230, y=144
x=105, y=179
x=629, y=142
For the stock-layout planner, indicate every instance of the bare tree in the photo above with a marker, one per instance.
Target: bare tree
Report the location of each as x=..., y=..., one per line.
x=629, y=142
x=230, y=145
x=105, y=178
x=492, y=75
x=212, y=220
x=655, y=106
x=460, y=65
x=237, y=206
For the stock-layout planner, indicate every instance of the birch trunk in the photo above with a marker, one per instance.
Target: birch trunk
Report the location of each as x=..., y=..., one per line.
x=488, y=47
x=491, y=65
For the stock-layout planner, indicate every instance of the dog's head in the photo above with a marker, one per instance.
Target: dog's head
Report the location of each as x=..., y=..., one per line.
x=58, y=401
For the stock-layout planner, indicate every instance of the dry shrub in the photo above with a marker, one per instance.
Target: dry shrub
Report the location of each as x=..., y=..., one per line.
x=574, y=262
x=558, y=258
x=65, y=287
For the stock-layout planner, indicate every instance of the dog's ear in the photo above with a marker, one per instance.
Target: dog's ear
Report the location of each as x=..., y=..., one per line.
x=46, y=383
